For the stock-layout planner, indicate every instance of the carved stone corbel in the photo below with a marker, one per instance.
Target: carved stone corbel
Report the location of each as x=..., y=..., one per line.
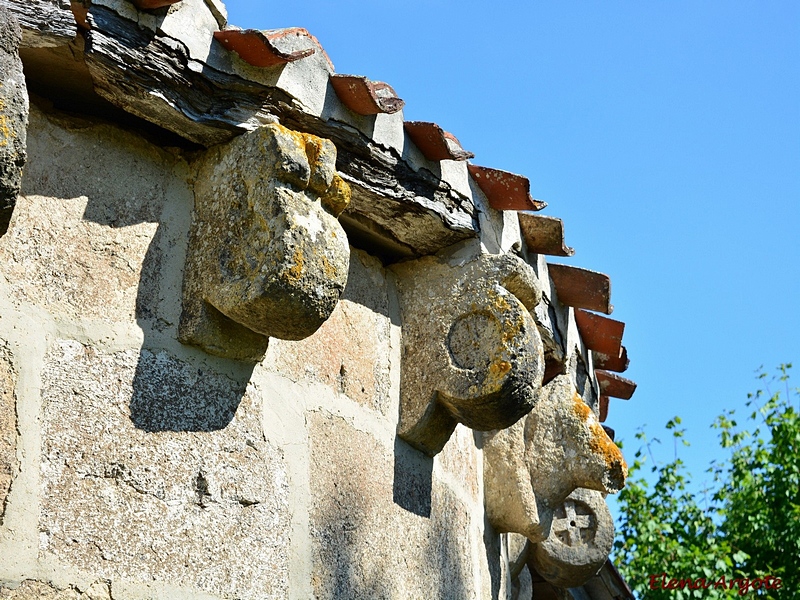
x=267, y=256
x=531, y=468
x=472, y=353
x=579, y=543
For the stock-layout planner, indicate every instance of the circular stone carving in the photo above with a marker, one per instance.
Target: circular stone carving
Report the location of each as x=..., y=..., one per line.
x=580, y=540
x=474, y=340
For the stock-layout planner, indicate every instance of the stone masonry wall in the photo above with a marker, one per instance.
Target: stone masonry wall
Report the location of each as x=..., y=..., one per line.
x=139, y=467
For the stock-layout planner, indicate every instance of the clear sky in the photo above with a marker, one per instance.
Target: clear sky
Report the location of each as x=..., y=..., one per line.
x=665, y=134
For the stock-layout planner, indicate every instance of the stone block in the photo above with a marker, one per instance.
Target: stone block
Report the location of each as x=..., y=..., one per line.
x=155, y=470
x=45, y=23
x=472, y=353
x=85, y=240
x=8, y=425
x=531, y=467
x=39, y=590
x=13, y=116
x=350, y=351
x=72, y=267
x=366, y=546
x=267, y=256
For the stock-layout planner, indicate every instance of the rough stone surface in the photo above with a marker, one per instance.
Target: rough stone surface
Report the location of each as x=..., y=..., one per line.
x=531, y=467
x=8, y=425
x=45, y=23
x=472, y=353
x=38, y=590
x=267, y=256
x=579, y=542
x=350, y=351
x=459, y=458
x=55, y=259
x=13, y=116
x=379, y=538
x=155, y=470
x=84, y=243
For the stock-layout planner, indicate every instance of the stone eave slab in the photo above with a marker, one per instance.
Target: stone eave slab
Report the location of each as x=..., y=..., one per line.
x=196, y=89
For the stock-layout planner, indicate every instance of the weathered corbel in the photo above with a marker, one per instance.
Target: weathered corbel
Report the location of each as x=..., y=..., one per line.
x=531, y=468
x=472, y=353
x=579, y=543
x=267, y=256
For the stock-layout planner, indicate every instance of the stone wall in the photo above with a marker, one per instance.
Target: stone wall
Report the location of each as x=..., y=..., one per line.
x=239, y=368
x=148, y=468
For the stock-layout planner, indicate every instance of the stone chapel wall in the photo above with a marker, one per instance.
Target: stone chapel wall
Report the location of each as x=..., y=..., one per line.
x=236, y=365
x=165, y=471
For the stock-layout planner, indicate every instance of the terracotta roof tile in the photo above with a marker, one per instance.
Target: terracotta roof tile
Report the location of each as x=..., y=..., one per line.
x=600, y=333
x=615, y=385
x=269, y=48
x=364, y=96
x=544, y=235
x=581, y=288
x=618, y=363
x=434, y=142
x=505, y=191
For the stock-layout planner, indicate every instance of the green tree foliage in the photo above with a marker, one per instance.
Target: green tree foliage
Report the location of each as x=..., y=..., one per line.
x=674, y=544
x=759, y=487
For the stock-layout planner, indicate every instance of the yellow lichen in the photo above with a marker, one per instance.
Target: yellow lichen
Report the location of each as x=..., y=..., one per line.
x=580, y=408
x=295, y=272
x=498, y=368
x=299, y=138
x=337, y=198
x=601, y=444
x=5, y=132
x=327, y=267
x=313, y=146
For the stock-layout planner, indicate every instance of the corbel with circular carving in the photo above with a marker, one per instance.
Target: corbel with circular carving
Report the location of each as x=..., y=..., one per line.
x=472, y=353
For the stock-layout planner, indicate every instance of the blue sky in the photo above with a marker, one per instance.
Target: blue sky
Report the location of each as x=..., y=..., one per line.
x=665, y=134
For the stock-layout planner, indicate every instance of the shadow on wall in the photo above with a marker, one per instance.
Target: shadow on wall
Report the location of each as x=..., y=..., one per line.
x=369, y=547
x=132, y=184
x=171, y=394
x=413, y=479
x=168, y=394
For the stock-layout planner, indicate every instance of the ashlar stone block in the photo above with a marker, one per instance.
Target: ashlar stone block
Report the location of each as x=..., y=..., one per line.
x=156, y=470
x=267, y=256
x=364, y=544
x=532, y=467
x=472, y=353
